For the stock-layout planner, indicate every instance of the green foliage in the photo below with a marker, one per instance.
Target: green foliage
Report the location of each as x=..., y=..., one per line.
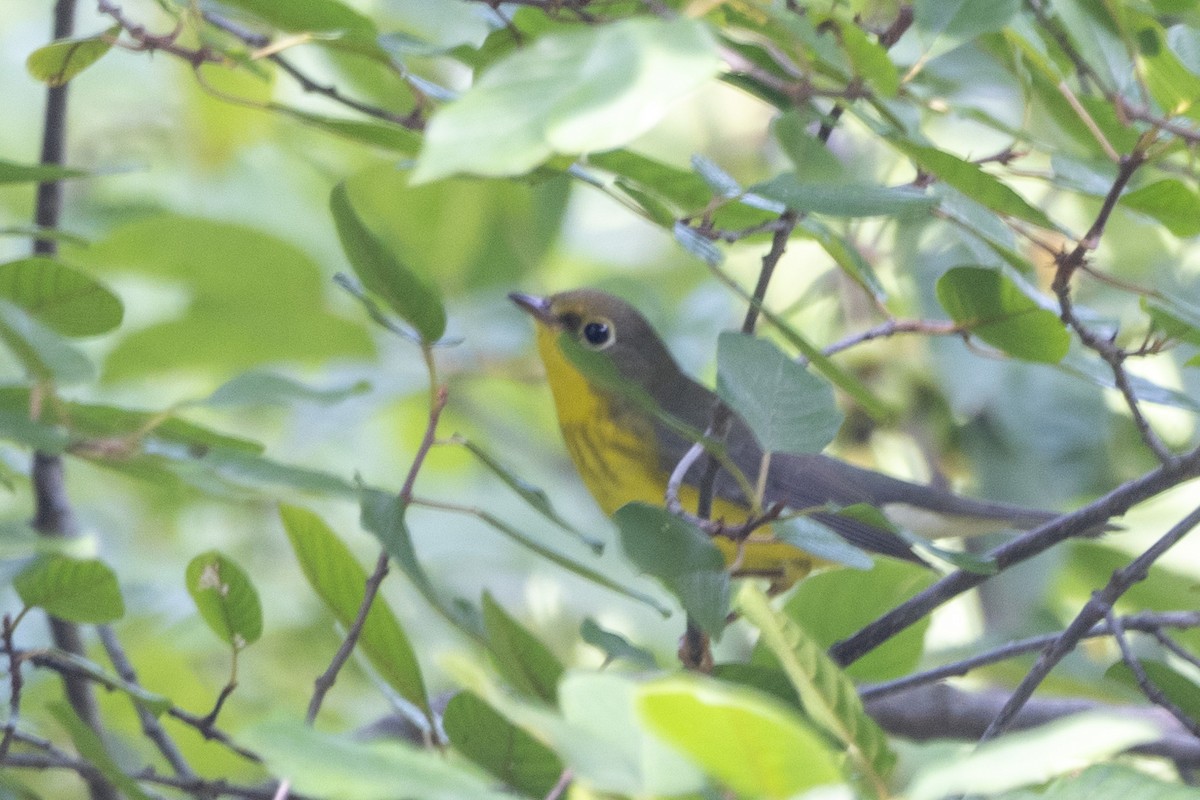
x=992, y=306
x=683, y=559
x=481, y=734
x=340, y=581
x=521, y=658
x=73, y=589
x=57, y=63
x=61, y=297
x=226, y=598
x=789, y=410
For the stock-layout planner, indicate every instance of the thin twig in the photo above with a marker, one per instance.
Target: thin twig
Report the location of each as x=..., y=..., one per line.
x=326, y=679
x=1152, y=692
x=15, y=683
x=1093, y=611
x=151, y=727
x=1089, y=518
x=1148, y=622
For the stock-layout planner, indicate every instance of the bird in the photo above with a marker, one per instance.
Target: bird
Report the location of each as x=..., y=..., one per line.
x=625, y=452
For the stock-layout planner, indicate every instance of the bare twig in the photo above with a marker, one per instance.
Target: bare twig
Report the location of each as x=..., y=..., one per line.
x=1022, y=548
x=151, y=727
x=946, y=712
x=1093, y=611
x=1152, y=692
x=15, y=683
x=1152, y=623
x=326, y=679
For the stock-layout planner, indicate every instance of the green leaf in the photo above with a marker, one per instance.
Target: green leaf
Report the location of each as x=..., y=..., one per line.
x=748, y=741
x=1179, y=689
x=91, y=748
x=1169, y=201
x=533, y=495
x=615, y=646
x=1106, y=782
x=1032, y=757
x=843, y=199
x=61, y=297
x=993, y=307
x=810, y=157
x=246, y=294
x=1174, y=317
x=821, y=541
x=681, y=557
x=569, y=92
x=973, y=181
x=870, y=59
x=829, y=697
x=273, y=389
x=75, y=590
x=523, y=661
x=60, y=61
x=326, y=765
x=788, y=409
x=832, y=605
x=382, y=515
x=156, y=704
x=12, y=172
x=963, y=19
x=43, y=353
x=394, y=138
x=382, y=272
x=226, y=599
x=339, y=580
x=331, y=23
x=483, y=735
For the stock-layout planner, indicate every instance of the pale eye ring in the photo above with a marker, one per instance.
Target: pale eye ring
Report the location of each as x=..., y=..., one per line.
x=597, y=334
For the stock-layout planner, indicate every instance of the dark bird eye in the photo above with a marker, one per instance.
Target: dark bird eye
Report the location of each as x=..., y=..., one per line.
x=596, y=333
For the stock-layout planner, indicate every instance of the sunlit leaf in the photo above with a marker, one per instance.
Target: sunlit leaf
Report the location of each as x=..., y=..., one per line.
x=753, y=744
x=588, y=89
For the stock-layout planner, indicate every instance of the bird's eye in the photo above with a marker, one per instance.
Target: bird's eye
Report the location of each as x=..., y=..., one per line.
x=597, y=334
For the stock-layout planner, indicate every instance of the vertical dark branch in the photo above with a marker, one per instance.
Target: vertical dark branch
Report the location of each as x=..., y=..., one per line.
x=53, y=515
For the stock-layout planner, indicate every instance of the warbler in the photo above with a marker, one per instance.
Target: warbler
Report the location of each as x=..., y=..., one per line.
x=625, y=452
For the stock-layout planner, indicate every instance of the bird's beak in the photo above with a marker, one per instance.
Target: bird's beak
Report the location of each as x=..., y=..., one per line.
x=534, y=306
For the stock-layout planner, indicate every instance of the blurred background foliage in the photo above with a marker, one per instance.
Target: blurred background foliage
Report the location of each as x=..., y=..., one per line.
x=206, y=211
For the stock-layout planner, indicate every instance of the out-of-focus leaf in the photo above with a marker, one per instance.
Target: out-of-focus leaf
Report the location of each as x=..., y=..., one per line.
x=59, y=62
x=1031, y=757
x=43, y=353
x=789, y=409
x=226, y=598
x=993, y=307
x=752, y=743
x=1173, y=86
x=1105, y=782
x=91, y=747
x=339, y=580
x=526, y=663
x=844, y=199
x=832, y=605
x=699, y=246
x=1179, y=689
x=1169, y=201
x=12, y=172
x=395, y=138
x=870, y=60
x=533, y=495
x=569, y=92
x=72, y=589
x=963, y=19
x=483, y=735
x=973, y=181
x=383, y=273
x=273, y=389
x=65, y=299
x=615, y=646
x=326, y=765
x=829, y=697
x=681, y=557
x=252, y=299
x=154, y=703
